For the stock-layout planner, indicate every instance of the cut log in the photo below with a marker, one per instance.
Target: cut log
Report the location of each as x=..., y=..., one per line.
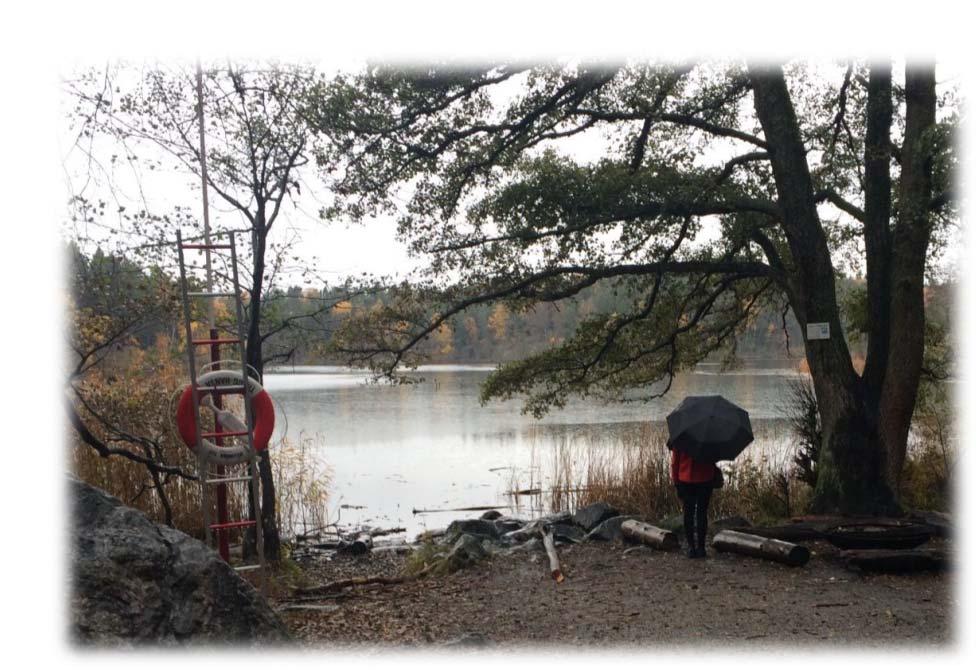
x=649, y=535
x=550, y=545
x=761, y=547
x=895, y=561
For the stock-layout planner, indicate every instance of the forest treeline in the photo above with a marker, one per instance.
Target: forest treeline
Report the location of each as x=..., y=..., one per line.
x=104, y=283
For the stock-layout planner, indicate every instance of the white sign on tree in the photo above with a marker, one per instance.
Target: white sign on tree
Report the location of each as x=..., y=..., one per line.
x=818, y=331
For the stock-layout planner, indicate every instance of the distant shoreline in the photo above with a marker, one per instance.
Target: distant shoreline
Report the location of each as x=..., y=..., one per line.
x=313, y=368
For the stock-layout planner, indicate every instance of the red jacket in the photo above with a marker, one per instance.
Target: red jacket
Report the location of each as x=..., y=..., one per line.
x=686, y=470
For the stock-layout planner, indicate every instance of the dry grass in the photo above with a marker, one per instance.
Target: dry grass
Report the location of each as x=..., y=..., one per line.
x=301, y=485
x=631, y=471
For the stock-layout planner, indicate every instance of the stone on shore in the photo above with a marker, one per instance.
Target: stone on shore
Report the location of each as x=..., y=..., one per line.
x=481, y=528
x=506, y=525
x=593, y=515
x=135, y=582
x=467, y=550
x=609, y=530
x=567, y=532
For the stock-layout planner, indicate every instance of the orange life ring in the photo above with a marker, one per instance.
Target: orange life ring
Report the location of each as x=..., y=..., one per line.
x=261, y=406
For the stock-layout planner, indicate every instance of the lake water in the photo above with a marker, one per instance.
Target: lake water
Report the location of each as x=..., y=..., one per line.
x=396, y=450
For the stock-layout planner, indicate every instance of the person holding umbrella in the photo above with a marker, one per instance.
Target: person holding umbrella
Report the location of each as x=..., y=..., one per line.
x=694, y=481
x=703, y=430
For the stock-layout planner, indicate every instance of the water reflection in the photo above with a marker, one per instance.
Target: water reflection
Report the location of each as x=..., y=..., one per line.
x=394, y=449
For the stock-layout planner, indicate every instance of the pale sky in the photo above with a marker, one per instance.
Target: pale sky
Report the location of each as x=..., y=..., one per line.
x=339, y=249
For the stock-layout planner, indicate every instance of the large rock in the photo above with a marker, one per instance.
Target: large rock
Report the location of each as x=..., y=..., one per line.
x=136, y=582
x=521, y=535
x=466, y=551
x=556, y=517
x=593, y=515
x=567, y=532
x=609, y=530
x=506, y=525
x=481, y=528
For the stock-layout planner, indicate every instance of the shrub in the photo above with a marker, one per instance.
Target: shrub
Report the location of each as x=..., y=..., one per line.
x=803, y=415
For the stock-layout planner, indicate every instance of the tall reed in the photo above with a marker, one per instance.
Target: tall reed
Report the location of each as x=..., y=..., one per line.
x=630, y=470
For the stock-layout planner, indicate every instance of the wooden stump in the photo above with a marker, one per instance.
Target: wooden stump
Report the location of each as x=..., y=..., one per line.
x=650, y=535
x=761, y=547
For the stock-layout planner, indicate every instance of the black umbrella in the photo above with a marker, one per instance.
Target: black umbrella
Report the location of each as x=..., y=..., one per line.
x=709, y=428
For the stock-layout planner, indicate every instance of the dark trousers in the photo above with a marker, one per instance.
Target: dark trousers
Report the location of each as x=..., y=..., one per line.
x=695, y=499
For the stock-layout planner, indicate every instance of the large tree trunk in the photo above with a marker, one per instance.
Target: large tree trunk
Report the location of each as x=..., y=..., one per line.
x=877, y=234
x=254, y=356
x=909, y=248
x=851, y=469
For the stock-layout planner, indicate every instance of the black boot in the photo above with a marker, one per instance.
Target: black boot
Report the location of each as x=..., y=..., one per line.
x=700, y=544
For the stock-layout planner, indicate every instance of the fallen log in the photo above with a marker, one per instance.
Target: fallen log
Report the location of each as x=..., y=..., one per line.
x=895, y=561
x=878, y=535
x=550, y=545
x=650, y=535
x=478, y=508
x=761, y=547
x=803, y=531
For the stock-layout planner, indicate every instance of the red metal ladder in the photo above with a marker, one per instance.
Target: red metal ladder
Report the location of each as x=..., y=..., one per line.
x=203, y=467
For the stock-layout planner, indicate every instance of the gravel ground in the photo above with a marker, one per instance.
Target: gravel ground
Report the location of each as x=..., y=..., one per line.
x=618, y=597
